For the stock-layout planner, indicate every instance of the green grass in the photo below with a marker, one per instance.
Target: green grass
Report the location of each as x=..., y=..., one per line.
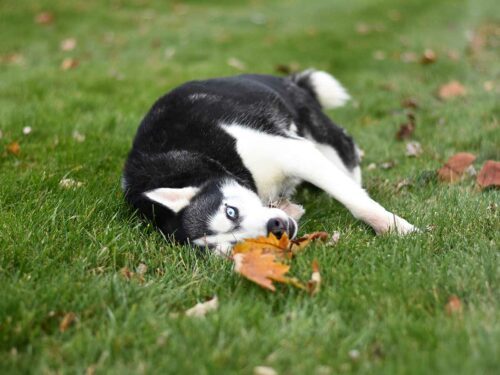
x=61, y=250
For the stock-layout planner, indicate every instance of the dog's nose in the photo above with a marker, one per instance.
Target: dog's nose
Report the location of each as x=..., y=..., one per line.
x=276, y=226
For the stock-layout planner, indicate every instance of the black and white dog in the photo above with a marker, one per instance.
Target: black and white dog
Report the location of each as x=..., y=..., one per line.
x=211, y=155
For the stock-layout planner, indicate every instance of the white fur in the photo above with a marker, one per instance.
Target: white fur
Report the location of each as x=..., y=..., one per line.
x=175, y=199
x=272, y=160
x=329, y=91
x=255, y=148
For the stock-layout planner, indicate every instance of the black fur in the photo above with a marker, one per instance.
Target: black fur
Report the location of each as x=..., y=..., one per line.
x=179, y=142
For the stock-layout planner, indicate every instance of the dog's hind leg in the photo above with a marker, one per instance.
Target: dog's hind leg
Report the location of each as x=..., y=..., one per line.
x=313, y=166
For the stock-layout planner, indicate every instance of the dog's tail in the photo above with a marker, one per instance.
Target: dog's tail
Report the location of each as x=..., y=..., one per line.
x=322, y=86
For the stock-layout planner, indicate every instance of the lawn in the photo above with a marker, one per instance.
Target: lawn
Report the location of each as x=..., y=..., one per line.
x=383, y=303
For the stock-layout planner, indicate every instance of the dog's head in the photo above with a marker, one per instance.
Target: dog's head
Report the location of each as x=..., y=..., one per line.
x=223, y=212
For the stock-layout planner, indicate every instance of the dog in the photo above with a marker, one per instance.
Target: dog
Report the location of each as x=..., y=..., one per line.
x=210, y=156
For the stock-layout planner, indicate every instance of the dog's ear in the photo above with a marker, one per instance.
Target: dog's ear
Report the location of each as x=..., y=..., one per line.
x=174, y=199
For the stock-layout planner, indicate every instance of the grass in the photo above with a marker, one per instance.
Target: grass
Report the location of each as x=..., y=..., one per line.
x=61, y=250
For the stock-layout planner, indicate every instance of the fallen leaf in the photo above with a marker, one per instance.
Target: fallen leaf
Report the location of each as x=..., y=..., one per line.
x=261, y=268
x=126, y=273
x=428, y=57
x=489, y=175
x=67, y=321
x=69, y=183
x=405, y=131
x=314, y=284
x=260, y=259
x=456, y=166
x=410, y=103
x=14, y=148
x=264, y=370
x=269, y=243
x=371, y=167
x=451, y=90
x=202, y=308
x=237, y=64
x=69, y=63
x=44, y=18
x=68, y=44
x=453, y=306
x=12, y=58
x=300, y=243
x=413, y=149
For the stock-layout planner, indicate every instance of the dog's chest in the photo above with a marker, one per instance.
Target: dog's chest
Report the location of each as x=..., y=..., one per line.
x=262, y=154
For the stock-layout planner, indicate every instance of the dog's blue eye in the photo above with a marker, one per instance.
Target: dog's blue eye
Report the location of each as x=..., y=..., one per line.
x=231, y=212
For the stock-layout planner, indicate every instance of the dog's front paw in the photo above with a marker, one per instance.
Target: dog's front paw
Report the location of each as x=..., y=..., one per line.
x=396, y=224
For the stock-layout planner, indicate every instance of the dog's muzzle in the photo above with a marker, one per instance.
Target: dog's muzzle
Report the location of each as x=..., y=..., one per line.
x=278, y=227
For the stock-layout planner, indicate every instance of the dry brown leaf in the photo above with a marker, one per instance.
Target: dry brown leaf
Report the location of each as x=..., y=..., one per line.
x=261, y=268
x=260, y=259
x=67, y=321
x=69, y=63
x=451, y=90
x=314, y=284
x=456, y=166
x=126, y=273
x=44, y=18
x=405, y=131
x=269, y=244
x=489, y=175
x=428, y=57
x=202, y=308
x=453, y=306
x=410, y=103
x=300, y=243
x=14, y=148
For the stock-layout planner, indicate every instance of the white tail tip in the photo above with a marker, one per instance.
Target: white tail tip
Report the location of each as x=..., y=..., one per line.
x=329, y=91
